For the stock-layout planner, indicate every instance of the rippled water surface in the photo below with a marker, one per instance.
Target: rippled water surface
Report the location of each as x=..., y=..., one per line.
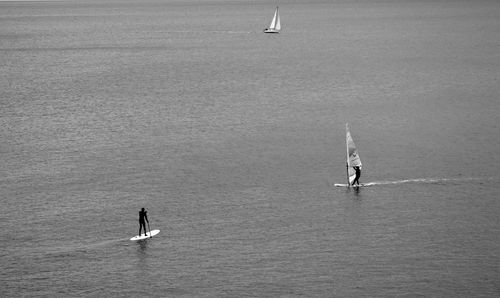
x=233, y=140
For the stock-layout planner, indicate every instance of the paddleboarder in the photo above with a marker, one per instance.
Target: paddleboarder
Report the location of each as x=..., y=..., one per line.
x=143, y=217
x=358, y=174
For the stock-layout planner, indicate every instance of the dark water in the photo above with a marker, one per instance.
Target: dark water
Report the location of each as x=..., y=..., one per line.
x=233, y=140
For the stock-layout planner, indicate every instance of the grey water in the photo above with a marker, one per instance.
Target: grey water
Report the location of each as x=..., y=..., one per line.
x=233, y=140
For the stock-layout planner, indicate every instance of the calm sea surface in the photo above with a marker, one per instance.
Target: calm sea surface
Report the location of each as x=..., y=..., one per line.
x=233, y=140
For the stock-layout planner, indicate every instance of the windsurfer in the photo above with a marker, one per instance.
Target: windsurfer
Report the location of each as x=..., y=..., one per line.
x=143, y=216
x=358, y=174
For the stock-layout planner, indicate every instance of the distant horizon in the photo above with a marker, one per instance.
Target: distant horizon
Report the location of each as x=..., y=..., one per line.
x=35, y=0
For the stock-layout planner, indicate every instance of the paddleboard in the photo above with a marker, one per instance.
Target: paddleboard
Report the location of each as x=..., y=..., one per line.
x=142, y=237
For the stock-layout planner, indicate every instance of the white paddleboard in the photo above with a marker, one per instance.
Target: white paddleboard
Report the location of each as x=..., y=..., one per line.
x=142, y=237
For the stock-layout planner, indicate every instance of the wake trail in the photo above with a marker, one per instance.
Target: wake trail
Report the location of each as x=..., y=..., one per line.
x=208, y=32
x=423, y=180
x=82, y=247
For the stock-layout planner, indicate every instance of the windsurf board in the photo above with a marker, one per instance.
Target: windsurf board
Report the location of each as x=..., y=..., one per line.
x=347, y=185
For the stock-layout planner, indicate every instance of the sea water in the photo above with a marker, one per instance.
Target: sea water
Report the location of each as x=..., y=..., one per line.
x=233, y=140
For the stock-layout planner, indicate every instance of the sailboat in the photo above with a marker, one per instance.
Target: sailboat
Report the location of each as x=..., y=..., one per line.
x=275, y=25
x=353, y=159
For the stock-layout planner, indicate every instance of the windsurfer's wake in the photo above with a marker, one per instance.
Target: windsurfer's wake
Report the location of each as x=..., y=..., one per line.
x=417, y=180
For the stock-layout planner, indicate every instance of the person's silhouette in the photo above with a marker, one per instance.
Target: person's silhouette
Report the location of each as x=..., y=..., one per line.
x=143, y=217
x=358, y=174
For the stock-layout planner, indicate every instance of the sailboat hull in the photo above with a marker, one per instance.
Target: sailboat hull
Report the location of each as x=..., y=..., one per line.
x=271, y=31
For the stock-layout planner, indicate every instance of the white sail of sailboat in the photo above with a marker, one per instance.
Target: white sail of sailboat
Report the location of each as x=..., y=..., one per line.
x=275, y=25
x=353, y=159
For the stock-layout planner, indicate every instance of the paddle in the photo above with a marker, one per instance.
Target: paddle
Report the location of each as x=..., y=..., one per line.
x=150, y=236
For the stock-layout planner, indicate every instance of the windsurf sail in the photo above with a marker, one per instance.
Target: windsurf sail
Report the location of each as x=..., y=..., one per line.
x=353, y=159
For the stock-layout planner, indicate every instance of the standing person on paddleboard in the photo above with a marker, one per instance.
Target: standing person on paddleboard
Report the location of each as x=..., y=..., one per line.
x=143, y=217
